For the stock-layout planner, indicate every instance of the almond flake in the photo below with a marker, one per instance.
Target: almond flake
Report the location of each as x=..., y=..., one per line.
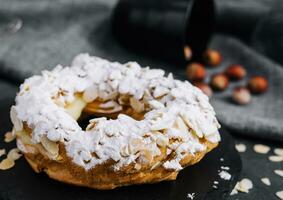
x=14, y=154
x=162, y=141
x=9, y=137
x=2, y=152
x=146, y=156
x=155, y=104
x=49, y=146
x=6, y=164
x=244, y=185
x=262, y=149
x=125, y=151
x=266, y=181
x=90, y=94
x=275, y=158
x=136, y=105
x=157, y=164
x=18, y=125
x=137, y=166
x=278, y=151
x=279, y=172
x=234, y=191
x=279, y=194
x=181, y=125
x=224, y=175
x=240, y=147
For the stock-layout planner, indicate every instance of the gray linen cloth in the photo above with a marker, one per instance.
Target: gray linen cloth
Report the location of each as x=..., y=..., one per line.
x=55, y=31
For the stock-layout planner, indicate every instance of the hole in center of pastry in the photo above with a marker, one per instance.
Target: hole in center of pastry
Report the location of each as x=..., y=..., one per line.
x=83, y=111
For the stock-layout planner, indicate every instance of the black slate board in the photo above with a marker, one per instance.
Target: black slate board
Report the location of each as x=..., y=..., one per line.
x=21, y=183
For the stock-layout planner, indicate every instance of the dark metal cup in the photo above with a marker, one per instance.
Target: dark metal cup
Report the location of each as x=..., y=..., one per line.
x=163, y=28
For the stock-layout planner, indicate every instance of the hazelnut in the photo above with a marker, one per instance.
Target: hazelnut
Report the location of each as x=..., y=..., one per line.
x=219, y=82
x=241, y=95
x=205, y=88
x=195, y=72
x=212, y=57
x=236, y=72
x=257, y=85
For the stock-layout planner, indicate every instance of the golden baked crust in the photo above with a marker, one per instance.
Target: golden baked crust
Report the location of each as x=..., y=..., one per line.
x=102, y=176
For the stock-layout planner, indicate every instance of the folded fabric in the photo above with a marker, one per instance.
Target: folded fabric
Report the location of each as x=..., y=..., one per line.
x=55, y=31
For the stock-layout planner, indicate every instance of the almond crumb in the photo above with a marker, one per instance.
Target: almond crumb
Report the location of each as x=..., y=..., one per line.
x=240, y=147
x=191, y=195
x=7, y=164
x=266, y=181
x=9, y=137
x=244, y=185
x=224, y=175
x=2, y=152
x=234, y=191
x=279, y=172
x=275, y=158
x=278, y=151
x=14, y=154
x=262, y=149
x=279, y=194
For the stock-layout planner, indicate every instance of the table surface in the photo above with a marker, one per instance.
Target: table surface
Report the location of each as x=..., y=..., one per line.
x=255, y=166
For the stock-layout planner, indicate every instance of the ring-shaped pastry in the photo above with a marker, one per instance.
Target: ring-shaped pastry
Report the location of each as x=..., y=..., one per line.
x=147, y=126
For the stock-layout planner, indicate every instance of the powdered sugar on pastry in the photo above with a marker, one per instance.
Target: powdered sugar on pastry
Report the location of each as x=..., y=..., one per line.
x=174, y=110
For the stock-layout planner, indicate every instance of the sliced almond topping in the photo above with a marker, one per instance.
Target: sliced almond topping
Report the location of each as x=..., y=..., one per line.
x=14, y=154
x=155, y=104
x=18, y=125
x=125, y=151
x=186, y=119
x=157, y=164
x=278, y=151
x=59, y=102
x=146, y=156
x=123, y=99
x=2, y=152
x=279, y=172
x=275, y=158
x=137, y=142
x=90, y=94
x=240, y=147
x=49, y=146
x=9, y=137
x=137, y=166
x=262, y=149
x=90, y=126
x=266, y=181
x=160, y=91
x=6, y=164
x=75, y=108
x=31, y=149
x=136, y=105
x=108, y=105
x=162, y=141
x=279, y=194
x=181, y=125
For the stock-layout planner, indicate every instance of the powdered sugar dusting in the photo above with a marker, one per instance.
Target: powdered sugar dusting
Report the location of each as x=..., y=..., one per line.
x=41, y=104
